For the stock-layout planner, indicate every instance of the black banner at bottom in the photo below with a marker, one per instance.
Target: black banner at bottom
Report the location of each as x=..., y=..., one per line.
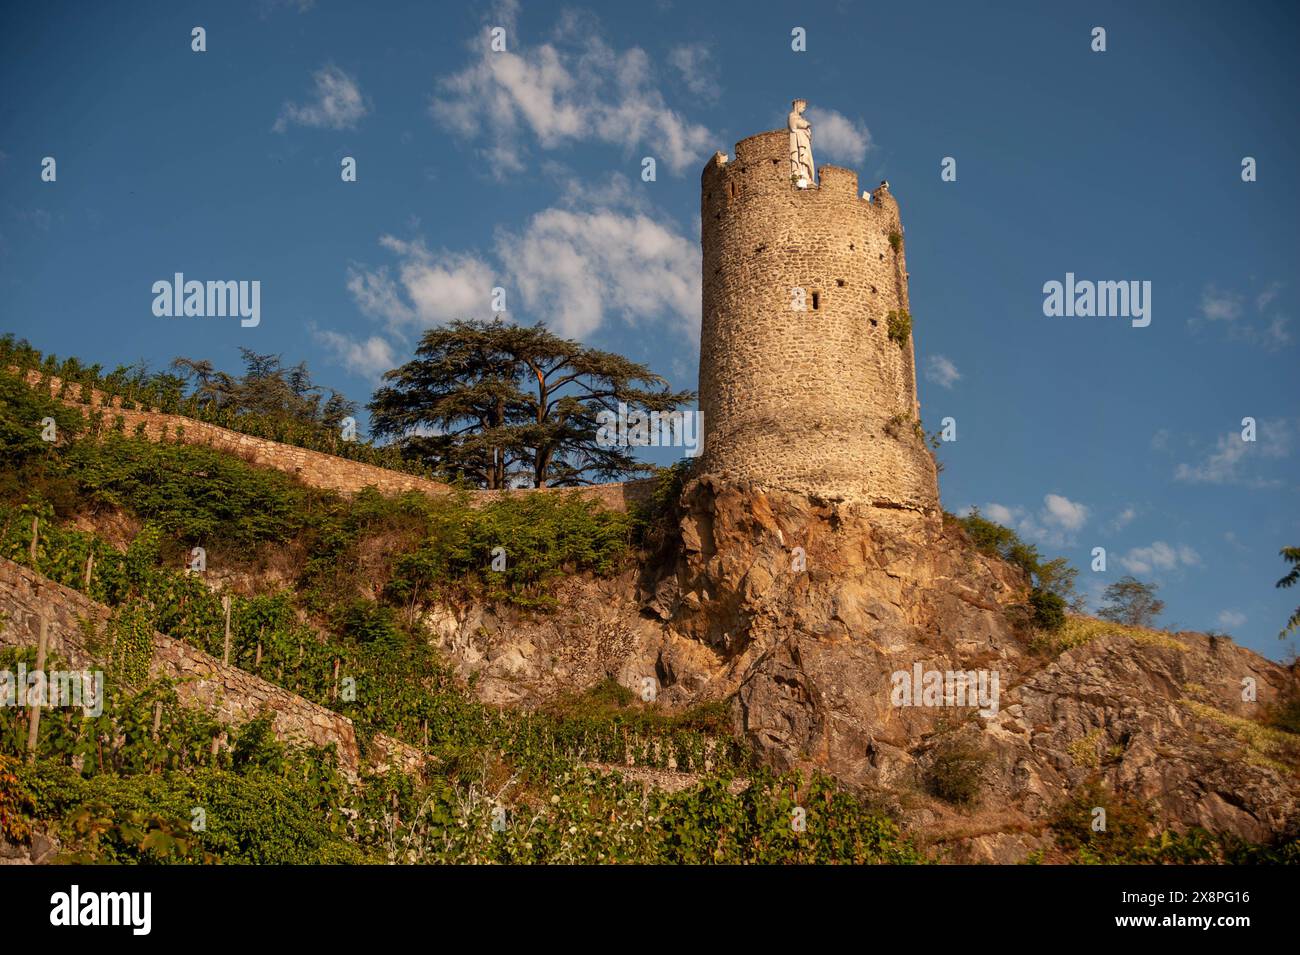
x=336, y=905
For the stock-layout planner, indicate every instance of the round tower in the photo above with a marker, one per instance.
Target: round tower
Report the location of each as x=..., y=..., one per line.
x=807, y=374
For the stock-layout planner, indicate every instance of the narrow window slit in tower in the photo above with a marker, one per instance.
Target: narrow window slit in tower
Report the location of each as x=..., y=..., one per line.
x=817, y=300
x=839, y=283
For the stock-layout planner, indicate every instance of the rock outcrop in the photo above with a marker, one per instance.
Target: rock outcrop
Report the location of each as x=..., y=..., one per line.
x=802, y=611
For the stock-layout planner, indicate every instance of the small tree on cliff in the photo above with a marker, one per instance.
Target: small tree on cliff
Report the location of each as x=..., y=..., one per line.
x=1131, y=602
x=1055, y=576
x=503, y=405
x=1292, y=556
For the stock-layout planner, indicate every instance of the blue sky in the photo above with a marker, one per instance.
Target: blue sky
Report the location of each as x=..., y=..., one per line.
x=523, y=171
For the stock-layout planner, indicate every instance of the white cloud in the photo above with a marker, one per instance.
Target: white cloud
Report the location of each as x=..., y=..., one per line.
x=837, y=137
x=574, y=269
x=1063, y=512
x=614, y=191
x=338, y=104
x=572, y=90
x=430, y=288
x=1266, y=297
x=370, y=357
x=1000, y=514
x=1122, y=520
x=1055, y=523
x=601, y=254
x=1225, y=464
x=1276, y=333
x=443, y=286
x=575, y=266
x=1158, y=556
x=378, y=295
x=941, y=371
x=694, y=63
x=1220, y=467
x=1232, y=619
x=1217, y=306
x=1228, y=310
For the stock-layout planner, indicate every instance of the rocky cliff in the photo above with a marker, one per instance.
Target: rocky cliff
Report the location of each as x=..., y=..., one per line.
x=812, y=616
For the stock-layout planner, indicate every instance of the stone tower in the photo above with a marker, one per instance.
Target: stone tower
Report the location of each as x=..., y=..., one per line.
x=822, y=400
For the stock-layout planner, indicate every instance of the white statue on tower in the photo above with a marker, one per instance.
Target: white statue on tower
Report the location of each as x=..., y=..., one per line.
x=801, y=158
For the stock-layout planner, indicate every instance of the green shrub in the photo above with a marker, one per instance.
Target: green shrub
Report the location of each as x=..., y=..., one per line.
x=653, y=519
x=510, y=548
x=366, y=622
x=1284, y=714
x=955, y=772
x=988, y=536
x=22, y=413
x=257, y=817
x=15, y=801
x=900, y=327
x=1127, y=824
x=1047, y=609
x=1052, y=579
x=196, y=494
x=1130, y=835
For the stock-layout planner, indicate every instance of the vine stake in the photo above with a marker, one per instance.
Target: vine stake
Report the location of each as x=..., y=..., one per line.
x=34, y=712
x=225, y=653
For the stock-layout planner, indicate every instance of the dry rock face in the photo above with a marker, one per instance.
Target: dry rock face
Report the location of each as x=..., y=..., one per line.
x=806, y=642
x=598, y=631
x=809, y=656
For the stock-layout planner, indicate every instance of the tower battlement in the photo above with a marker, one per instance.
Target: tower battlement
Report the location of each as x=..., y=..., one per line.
x=817, y=399
x=762, y=166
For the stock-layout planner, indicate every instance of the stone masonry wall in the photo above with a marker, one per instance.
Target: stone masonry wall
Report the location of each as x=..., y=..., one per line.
x=232, y=695
x=819, y=401
x=313, y=468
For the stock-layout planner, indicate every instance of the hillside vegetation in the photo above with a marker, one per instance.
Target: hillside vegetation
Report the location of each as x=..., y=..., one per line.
x=115, y=789
x=321, y=584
